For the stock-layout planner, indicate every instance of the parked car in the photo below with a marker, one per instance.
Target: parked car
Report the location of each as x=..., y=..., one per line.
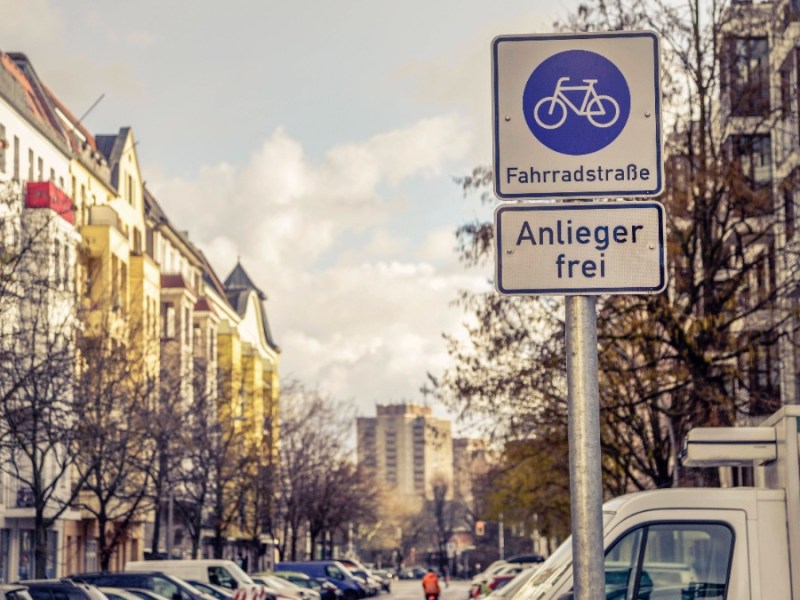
x=165, y=585
x=145, y=594
x=407, y=573
x=327, y=589
x=284, y=587
x=119, y=594
x=495, y=578
x=223, y=573
x=371, y=583
x=218, y=592
x=478, y=582
x=328, y=592
x=333, y=571
x=57, y=589
x=12, y=591
x=510, y=590
x=385, y=577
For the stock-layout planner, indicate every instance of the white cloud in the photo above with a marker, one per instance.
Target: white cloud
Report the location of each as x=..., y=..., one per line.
x=351, y=311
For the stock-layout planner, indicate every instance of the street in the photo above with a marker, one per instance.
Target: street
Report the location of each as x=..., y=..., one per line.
x=411, y=589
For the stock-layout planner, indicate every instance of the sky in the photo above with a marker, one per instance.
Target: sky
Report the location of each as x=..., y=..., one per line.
x=317, y=142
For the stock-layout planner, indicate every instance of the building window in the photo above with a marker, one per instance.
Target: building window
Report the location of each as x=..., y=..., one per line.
x=90, y=557
x=763, y=376
x=30, y=164
x=26, y=568
x=168, y=320
x=751, y=169
x=788, y=212
x=786, y=95
x=16, y=158
x=68, y=279
x=746, y=70
x=40, y=168
x=3, y=147
x=5, y=555
x=197, y=338
x=57, y=263
x=27, y=561
x=790, y=13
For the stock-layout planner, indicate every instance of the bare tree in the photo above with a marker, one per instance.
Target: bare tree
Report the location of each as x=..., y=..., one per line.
x=319, y=488
x=37, y=354
x=115, y=452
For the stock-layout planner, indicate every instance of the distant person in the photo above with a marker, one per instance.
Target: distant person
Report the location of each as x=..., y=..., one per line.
x=430, y=584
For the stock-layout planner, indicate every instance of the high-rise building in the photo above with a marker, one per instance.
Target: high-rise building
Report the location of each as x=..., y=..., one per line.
x=407, y=448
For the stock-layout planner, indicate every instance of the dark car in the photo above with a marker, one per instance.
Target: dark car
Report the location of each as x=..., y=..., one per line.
x=165, y=585
x=326, y=589
x=331, y=570
x=526, y=559
x=62, y=589
x=10, y=591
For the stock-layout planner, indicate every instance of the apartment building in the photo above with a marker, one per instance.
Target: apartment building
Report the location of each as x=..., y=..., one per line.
x=407, y=448
x=39, y=247
x=759, y=62
x=116, y=273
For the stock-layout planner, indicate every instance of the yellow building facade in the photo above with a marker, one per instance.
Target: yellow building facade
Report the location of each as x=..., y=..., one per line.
x=145, y=292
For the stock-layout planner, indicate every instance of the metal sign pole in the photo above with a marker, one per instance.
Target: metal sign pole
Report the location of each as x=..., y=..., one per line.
x=586, y=494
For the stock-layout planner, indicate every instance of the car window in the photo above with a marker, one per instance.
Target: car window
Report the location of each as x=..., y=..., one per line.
x=670, y=561
x=620, y=566
x=334, y=571
x=165, y=588
x=221, y=577
x=18, y=595
x=692, y=559
x=40, y=594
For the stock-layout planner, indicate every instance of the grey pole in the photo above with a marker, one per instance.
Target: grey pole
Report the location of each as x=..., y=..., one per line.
x=586, y=494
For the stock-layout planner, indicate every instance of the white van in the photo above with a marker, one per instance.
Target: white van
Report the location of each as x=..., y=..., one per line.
x=224, y=573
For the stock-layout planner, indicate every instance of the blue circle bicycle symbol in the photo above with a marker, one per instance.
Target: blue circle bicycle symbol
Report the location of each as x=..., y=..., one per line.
x=576, y=102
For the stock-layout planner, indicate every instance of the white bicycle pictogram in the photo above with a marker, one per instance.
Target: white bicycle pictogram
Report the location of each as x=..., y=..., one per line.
x=599, y=109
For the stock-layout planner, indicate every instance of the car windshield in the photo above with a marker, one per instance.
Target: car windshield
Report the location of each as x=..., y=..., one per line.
x=553, y=568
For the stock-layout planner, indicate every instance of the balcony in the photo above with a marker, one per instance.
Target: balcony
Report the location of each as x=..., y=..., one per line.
x=45, y=194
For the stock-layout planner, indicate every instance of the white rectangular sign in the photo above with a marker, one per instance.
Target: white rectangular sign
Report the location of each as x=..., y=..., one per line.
x=577, y=115
x=581, y=248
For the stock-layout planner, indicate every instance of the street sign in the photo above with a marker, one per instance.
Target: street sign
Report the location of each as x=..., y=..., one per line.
x=581, y=248
x=577, y=115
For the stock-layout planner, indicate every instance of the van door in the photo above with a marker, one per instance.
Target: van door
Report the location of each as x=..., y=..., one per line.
x=676, y=555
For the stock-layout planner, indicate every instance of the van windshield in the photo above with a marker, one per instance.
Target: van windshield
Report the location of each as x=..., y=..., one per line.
x=553, y=568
